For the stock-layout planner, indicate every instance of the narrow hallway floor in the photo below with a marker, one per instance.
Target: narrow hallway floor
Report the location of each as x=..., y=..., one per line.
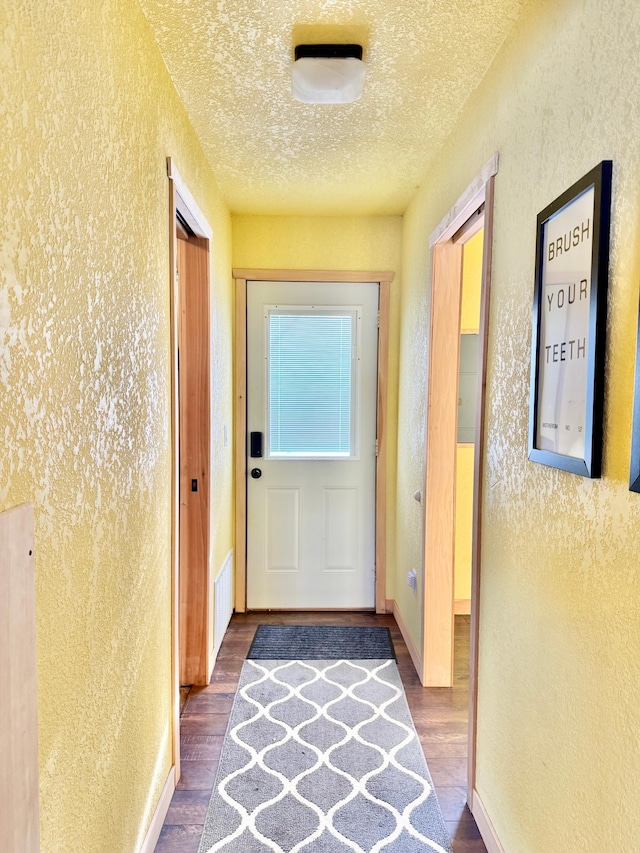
x=439, y=714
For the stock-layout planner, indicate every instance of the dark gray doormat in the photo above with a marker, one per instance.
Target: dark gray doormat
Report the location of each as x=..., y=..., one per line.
x=321, y=642
x=322, y=757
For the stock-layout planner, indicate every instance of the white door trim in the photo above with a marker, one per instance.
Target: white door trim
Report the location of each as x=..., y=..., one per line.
x=186, y=204
x=241, y=276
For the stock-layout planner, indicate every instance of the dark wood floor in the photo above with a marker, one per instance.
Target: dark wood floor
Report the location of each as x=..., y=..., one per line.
x=440, y=717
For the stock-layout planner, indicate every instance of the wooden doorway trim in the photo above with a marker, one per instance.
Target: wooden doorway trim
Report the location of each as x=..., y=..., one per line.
x=183, y=205
x=19, y=789
x=242, y=276
x=458, y=225
x=440, y=468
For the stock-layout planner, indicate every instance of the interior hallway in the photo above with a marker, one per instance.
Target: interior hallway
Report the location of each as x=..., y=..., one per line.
x=440, y=717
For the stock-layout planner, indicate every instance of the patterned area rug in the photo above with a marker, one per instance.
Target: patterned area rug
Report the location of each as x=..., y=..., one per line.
x=322, y=757
x=320, y=642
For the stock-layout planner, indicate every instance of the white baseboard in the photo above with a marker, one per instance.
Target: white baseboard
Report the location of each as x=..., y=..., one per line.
x=488, y=833
x=153, y=833
x=213, y=656
x=416, y=657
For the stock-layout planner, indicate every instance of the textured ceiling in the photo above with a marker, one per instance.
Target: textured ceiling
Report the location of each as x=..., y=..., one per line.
x=230, y=62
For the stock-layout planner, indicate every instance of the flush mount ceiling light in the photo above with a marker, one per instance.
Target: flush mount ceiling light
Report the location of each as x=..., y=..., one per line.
x=328, y=73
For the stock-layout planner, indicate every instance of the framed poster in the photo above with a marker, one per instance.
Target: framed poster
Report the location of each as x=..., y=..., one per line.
x=569, y=319
x=634, y=474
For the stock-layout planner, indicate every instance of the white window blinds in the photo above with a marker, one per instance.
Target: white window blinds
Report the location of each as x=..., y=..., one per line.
x=310, y=380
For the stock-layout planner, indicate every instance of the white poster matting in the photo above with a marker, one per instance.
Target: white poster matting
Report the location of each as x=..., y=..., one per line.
x=565, y=299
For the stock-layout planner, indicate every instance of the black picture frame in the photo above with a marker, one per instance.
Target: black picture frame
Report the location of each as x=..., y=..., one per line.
x=634, y=468
x=569, y=326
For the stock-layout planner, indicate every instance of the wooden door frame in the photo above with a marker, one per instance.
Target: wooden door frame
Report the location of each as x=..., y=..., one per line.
x=19, y=784
x=180, y=201
x=383, y=280
x=455, y=223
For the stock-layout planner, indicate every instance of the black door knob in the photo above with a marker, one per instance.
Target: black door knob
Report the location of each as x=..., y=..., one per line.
x=256, y=473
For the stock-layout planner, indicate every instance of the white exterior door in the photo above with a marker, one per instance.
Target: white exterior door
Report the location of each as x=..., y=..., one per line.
x=311, y=414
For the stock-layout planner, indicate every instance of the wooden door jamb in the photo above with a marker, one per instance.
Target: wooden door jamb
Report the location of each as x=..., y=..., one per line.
x=480, y=191
x=182, y=201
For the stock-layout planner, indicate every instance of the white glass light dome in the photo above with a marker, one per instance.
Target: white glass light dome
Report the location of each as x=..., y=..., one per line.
x=328, y=74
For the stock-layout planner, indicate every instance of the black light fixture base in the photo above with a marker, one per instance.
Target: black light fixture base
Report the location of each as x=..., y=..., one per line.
x=328, y=51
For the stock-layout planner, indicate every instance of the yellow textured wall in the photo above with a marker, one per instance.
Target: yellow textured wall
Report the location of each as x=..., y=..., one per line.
x=559, y=673
x=89, y=116
x=471, y=282
x=335, y=243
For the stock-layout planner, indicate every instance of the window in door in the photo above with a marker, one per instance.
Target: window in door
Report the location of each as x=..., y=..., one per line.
x=312, y=381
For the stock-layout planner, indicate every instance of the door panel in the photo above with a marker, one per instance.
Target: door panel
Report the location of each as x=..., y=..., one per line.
x=311, y=392
x=194, y=432
x=283, y=530
x=340, y=525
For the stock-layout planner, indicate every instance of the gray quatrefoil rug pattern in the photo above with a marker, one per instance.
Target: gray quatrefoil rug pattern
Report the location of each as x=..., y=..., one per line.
x=322, y=757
